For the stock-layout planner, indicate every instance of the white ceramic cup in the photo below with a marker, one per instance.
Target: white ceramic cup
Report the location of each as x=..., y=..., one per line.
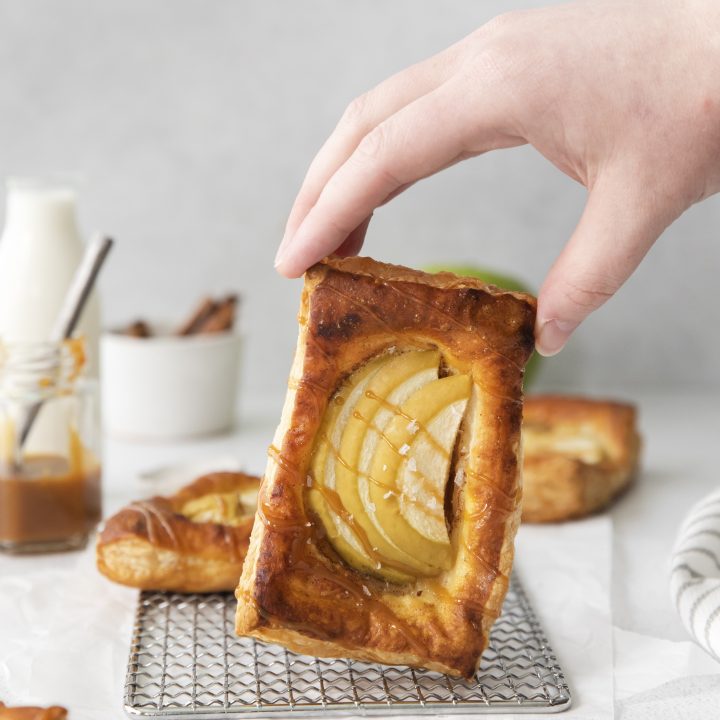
x=169, y=387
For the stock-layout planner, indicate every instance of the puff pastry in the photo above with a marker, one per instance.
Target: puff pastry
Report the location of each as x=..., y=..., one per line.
x=32, y=713
x=579, y=454
x=325, y=580
x=193, y=541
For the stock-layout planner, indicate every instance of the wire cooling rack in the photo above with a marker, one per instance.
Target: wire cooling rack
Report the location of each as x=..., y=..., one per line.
x=186, y=662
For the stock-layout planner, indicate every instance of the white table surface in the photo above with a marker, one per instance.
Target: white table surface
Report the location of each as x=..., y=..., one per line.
x=600, y=586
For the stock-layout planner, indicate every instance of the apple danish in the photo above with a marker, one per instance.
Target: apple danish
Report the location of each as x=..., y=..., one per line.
x=386, y=519
x=32, y=713
x=193, y=541
x=579, y=454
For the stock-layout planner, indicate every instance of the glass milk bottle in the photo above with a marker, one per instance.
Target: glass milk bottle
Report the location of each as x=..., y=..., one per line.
x=40, y=249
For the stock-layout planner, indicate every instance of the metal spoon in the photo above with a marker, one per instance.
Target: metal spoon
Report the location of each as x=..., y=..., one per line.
x=70, y=313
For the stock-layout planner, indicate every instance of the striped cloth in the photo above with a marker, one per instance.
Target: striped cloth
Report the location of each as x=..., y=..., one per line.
x=695, y=573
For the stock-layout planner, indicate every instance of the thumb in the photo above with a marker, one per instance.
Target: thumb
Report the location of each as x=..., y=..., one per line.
x=618, y=226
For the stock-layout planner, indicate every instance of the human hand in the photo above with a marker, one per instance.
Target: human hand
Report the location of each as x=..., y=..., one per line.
x=624, y=97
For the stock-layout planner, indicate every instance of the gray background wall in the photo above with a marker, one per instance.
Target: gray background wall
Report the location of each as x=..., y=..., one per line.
x=193, y=121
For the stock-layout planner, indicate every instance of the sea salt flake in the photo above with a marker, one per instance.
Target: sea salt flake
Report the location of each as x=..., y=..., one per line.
x=412, y=465
x=371, y=507
x=458, y=409
x=388, y=494
x=309, y=480
x=366, y=590
x=391, y=349
x=460, y=477
x=413, y=426
x=405, y=449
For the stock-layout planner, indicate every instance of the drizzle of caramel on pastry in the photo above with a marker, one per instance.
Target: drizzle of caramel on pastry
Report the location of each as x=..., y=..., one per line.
x=379, y=483
x=336, y=504
x=303, y=562
x=487, y=482
x=395, y=409
x=297, y=383
x=278, y=457
x=278, y=523
x=353, y=301
x=154, y=519
x=439, y=311
x=160, y=530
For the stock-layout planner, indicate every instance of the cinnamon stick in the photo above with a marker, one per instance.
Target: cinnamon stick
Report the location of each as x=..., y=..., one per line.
x=138, y=329
x=201, y=314
x=222, y=318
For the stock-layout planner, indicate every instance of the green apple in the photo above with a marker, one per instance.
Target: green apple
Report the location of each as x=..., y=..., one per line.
x=506, y=282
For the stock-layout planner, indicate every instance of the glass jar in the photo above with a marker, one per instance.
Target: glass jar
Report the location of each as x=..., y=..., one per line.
x=50, y=497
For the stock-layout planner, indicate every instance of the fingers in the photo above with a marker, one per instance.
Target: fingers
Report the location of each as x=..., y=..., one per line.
x=363, y=114
x=434, y=131
x=354, y=241
x=617, y=228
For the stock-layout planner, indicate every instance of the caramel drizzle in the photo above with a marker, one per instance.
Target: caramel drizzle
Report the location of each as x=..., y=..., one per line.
x=278, y=457
x=321, y=350
x=297, y=383
x=154, y=517
x=372, y=604
x=497, y=396
x=492, y=571
x=310, y=568
x=494, y=513
x=487, y=481
x=313, y=569
x=444, y=313
x=447, y=598
x=396, y=410
x=357, y=304
x=361, y=601
x=278, y=523
x=334, y=501
x=273, y=521
x=336, y=504
x=440, y=499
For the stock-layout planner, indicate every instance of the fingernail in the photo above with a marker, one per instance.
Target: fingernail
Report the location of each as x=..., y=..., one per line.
x=282, y=250
x=553, y=335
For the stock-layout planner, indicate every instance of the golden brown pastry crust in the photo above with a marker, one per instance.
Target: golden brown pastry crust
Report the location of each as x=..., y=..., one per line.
x=293, y=589
x=561, y=482
x=32, y=713
x=152, y=546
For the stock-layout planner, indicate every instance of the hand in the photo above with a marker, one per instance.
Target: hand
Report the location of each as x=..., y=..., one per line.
x=624, y=97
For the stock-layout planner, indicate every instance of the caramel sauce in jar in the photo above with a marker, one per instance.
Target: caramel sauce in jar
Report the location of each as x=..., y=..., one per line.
x=50, y=496
x=50, y=503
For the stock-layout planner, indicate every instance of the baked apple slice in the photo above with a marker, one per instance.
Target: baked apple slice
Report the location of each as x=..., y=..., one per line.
x=380, y=467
